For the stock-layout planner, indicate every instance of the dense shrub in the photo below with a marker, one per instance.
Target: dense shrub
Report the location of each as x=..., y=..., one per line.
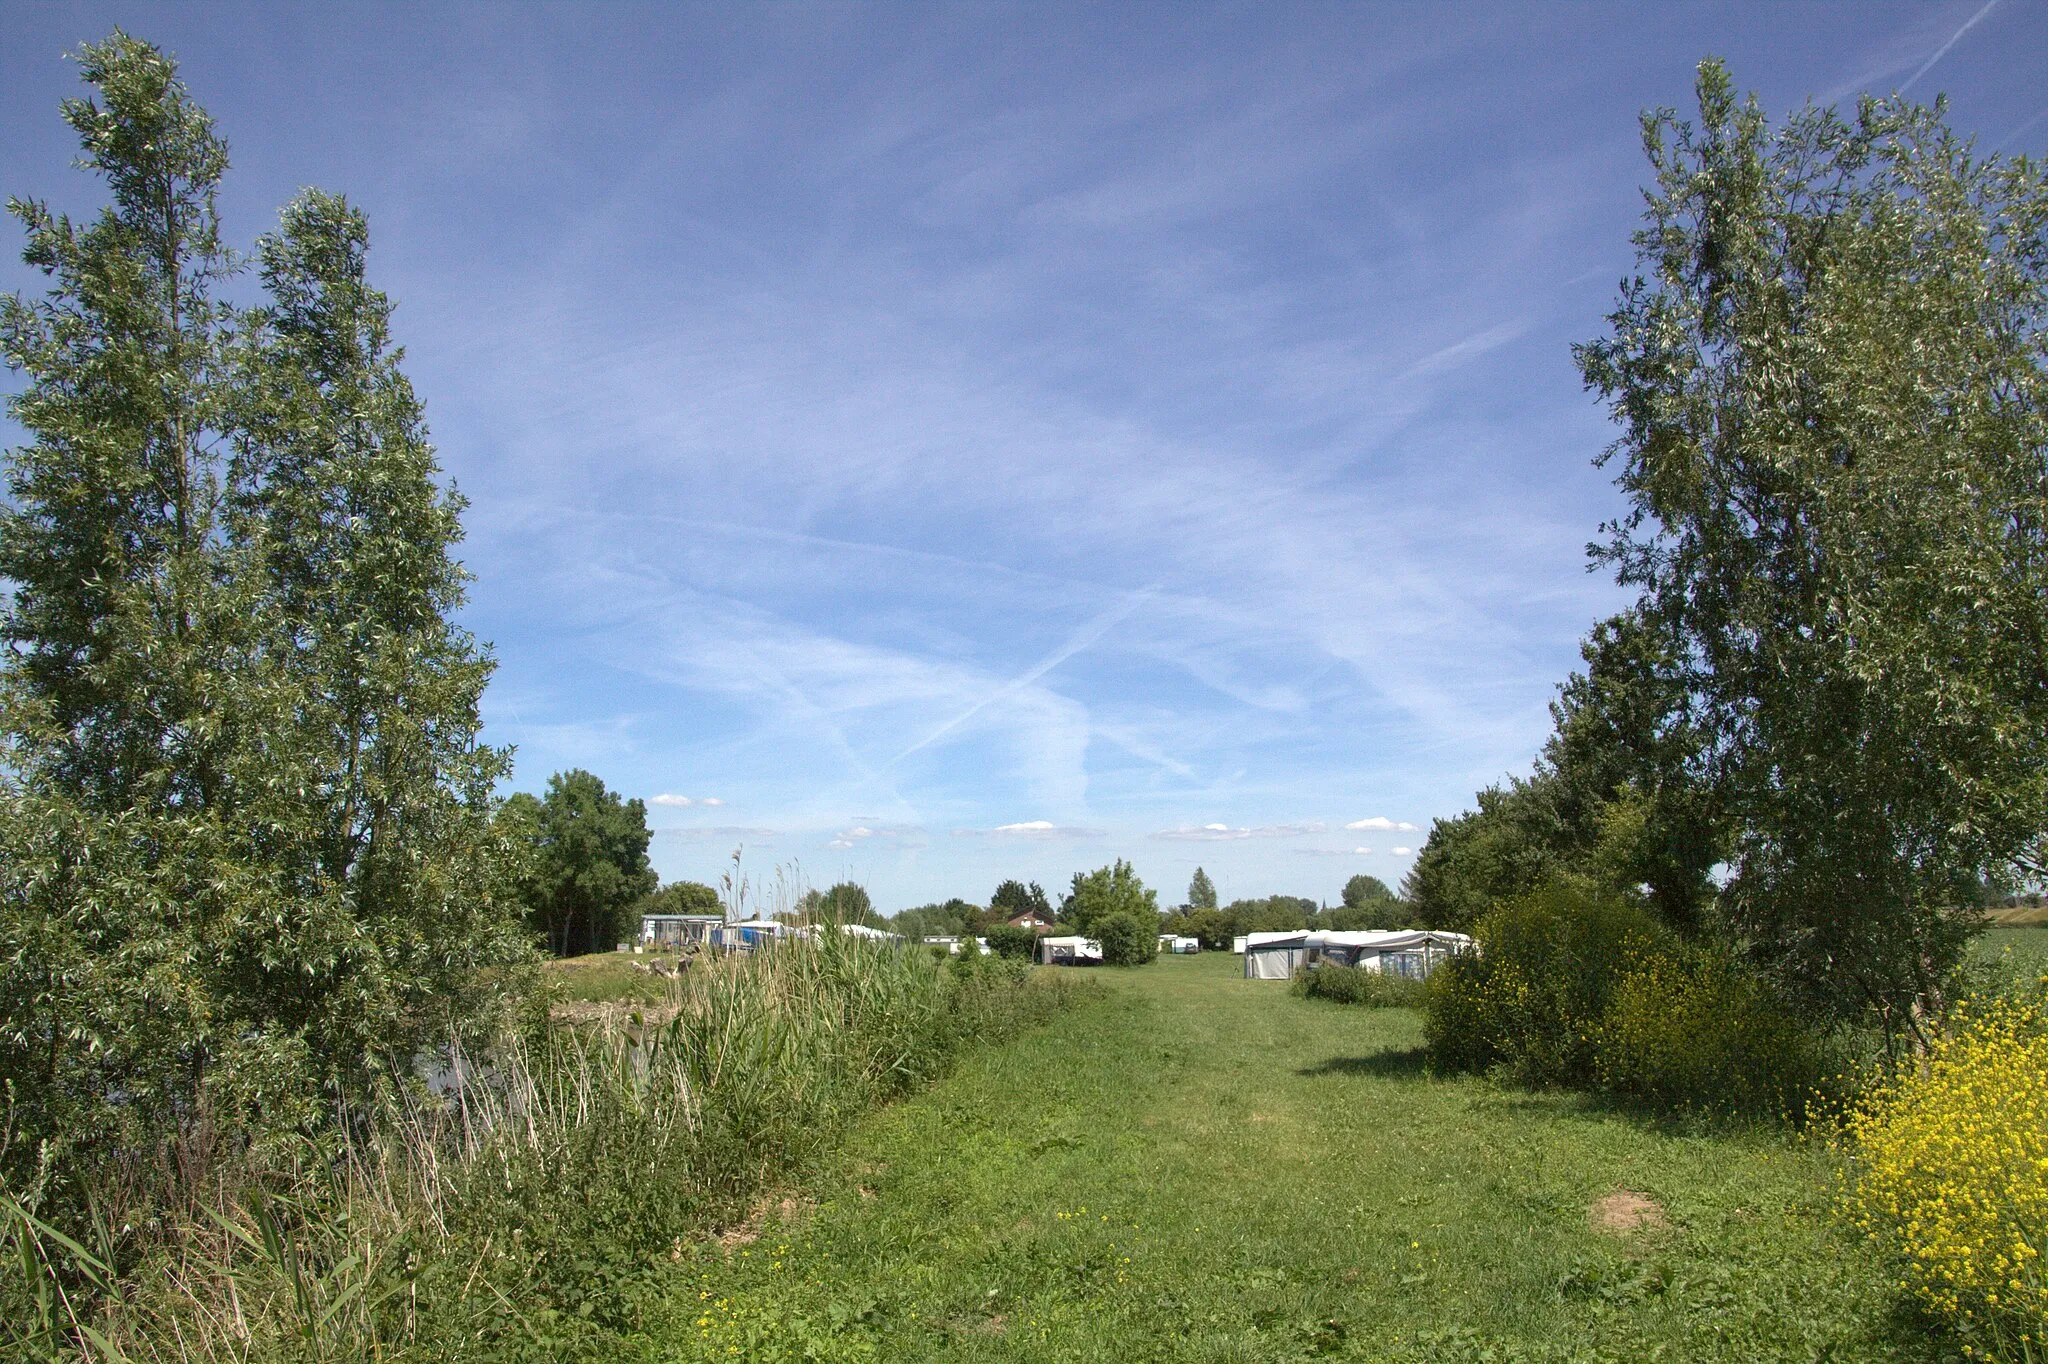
x=1127, y=940
x=1952, y=1173
x=1531, y=999
x=1356, y=985
x=1010, y=940
x=1687, y=1027
x=1577, y=987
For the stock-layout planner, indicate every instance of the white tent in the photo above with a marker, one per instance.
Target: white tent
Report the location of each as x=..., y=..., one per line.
x=1411, y=952
x=865, y=931
x=1274, y=956
x=1072, y=951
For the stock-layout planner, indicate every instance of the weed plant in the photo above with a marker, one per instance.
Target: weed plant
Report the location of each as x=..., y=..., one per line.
x=522, y=1214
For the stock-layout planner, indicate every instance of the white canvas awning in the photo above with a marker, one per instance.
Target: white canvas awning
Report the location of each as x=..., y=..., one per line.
x=1273, y=956
x=1069, y=950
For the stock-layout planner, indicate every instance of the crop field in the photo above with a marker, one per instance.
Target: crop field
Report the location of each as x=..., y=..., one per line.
x=1196, y=1167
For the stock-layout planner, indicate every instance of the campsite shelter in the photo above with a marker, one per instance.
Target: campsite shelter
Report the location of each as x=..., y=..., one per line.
x=751, y=933
x=1411, y=952
x=1069, y=951
x=1179, y=943
x=1274, y=956
x=677, y=930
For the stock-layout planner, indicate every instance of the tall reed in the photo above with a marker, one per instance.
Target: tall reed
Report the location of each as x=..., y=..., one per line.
x=525, y=1211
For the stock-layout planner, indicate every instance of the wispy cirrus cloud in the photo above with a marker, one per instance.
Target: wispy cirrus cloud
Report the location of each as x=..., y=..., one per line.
x=716, y=834
x=1334, y=852
x=684, y=802
x=1225, y=833
x=1381, y=824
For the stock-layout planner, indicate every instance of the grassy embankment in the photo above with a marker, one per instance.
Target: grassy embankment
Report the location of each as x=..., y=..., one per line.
x=1196, y=1167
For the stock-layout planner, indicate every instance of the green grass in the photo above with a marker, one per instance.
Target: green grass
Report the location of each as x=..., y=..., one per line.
x=2020, y=945
x=606, y=978
x=1197, y=1167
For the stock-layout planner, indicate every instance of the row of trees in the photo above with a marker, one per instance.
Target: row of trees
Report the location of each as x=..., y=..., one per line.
x=1821, y=732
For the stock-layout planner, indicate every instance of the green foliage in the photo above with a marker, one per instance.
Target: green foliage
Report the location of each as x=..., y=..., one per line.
x=1011, y=940
x=847, y=903
x=1576, y=986
x=1531, y=1000
x=1497, y=853
x=1834, y=421
x=1372, y=914
x=1127, y=939
x=1114, y=889
x=1212, y=927
x=1362, y=890
x=1689, y=1027
x=584, y=863
x=1014, y=897
x=1201, y=891
x=948, y=920
x=542, y=1215
x=1274, y=914
x=682, y=897
x=248, y=863
x=1356, y=985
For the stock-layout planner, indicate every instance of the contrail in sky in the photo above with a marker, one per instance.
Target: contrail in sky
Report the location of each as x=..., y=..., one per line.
x=1082, y=639
x=1942, y=51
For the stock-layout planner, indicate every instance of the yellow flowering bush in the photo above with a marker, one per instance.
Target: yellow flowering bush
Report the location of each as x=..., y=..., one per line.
x=1952, y=1172
x=1688, y=1028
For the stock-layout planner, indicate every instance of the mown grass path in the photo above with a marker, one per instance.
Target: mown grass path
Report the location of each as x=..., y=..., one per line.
x=1196, y=1167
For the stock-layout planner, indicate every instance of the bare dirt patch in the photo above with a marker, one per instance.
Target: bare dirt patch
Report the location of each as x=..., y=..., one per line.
x=788, y=1212
x=1626, y=1212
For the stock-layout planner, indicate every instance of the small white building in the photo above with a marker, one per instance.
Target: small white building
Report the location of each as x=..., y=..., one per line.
x=1179, y=944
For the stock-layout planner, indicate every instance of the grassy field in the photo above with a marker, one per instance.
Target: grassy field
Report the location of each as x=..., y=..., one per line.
x=1196, y=1167
x=2021, y=945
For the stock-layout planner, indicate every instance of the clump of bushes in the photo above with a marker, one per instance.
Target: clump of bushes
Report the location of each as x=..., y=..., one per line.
x=1127, y=940
x=1574, y=985
x=1011, y=940
x=1952, y=1173
x=1356, y=985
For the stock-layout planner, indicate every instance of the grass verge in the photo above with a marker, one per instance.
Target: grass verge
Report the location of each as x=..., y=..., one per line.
x=1203, y=1168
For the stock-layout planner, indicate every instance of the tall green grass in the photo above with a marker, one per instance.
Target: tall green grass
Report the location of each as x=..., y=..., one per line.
x=527, y=1213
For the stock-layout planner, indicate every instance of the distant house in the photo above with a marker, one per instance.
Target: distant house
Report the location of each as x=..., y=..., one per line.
x=677, y=930
x=1030, y=919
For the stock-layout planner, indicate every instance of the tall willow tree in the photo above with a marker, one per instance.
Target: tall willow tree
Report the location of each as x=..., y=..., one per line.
x=244, y=835
x=1830, y=381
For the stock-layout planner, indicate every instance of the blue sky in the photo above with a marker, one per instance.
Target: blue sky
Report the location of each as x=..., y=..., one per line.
x=929, y=444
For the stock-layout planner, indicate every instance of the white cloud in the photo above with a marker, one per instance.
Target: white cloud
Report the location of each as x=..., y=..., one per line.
x=1224, y=833
x=863, y=835
x=1381, y=824
x=1334, y=852
x=684, y=802
x=1030, y=828
x=1400, y=852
